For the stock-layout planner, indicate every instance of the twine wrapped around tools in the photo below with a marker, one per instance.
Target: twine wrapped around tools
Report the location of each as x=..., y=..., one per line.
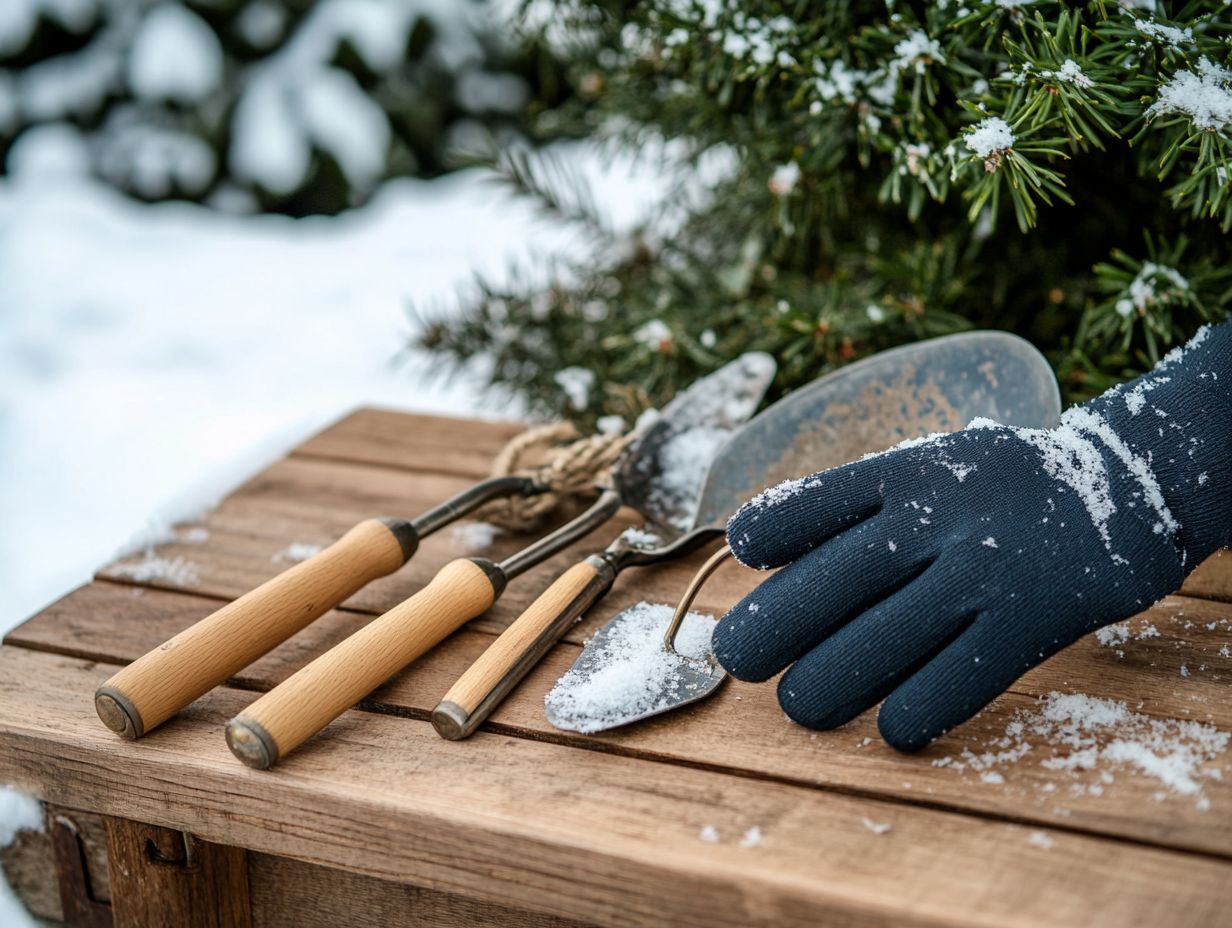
x=566, y=463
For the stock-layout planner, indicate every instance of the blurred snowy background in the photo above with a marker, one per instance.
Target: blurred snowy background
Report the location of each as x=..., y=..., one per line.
x=153, y=353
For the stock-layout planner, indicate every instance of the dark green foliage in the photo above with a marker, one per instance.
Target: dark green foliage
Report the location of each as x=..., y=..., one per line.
x=900, y=223
x=419, y=91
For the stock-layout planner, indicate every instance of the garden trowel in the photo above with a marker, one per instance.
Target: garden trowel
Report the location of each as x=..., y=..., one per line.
x=704, y=415
x=644, y=661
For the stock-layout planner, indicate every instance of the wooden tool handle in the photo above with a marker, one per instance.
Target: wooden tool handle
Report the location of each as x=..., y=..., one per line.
x=157, y=685
x=499, y=669
x=315, y=695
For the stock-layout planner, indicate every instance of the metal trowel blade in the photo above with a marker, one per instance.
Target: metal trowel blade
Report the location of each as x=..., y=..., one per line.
x=624, y=674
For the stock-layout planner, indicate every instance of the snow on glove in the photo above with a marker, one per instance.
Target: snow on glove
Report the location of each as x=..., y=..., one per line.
x=935, y=574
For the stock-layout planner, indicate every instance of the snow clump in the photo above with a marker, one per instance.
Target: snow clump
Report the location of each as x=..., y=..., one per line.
x=631, y=674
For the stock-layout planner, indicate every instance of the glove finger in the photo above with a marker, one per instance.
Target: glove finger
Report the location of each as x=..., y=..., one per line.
x=863, y=661
x=980, y=665
x=785, y=522
x=800, y=605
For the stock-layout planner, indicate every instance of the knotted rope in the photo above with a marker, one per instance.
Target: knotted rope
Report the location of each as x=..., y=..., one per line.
x=567, y=464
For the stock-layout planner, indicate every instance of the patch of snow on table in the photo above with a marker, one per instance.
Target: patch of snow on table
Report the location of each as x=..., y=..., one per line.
x=751, y=838
x=1086, y=738
x=153, y=568
x=475, y=536
x=877, y=828
x=633, y=673
x=1040, y=839
x=296, y=552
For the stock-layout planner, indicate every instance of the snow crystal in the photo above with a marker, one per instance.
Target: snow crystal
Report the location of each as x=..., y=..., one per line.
x=1175, y=36
x=1203, y=95
x=634, y=672
x=1112, y=636
x=1073, y=460
x=610, y=425
x=836, y=81
x=917, y=51
x=708, y=339
x=1040, y=839
x=1135, y=397
x=751, y=838
x=875, y=313
x=653, y=334
x=991, y=776
x=784, y=179
x=640, y=538
x=176, y=571
x=474, y=536
x=1095, y=731
x=932, y=438
x=175, y=56
x=1072, y=73
x=781, y=492
x=297, y=551
x=877, y=828
x=684, y=460
x=960, y=471
x=1142, y=289
x=576, y=382
x=991, y=134
x=709, y=834
x=1087, y=421
x=989, y=542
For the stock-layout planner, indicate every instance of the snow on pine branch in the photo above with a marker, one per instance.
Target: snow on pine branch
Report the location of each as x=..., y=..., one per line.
x=1204, y=95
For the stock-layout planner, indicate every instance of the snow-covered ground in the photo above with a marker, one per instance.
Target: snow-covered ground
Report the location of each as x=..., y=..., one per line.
x=150, y=357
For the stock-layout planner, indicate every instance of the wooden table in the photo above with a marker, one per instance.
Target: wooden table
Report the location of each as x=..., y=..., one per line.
x=379, y=821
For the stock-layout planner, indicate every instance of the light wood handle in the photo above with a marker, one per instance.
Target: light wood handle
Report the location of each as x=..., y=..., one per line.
x=157, y=685
x=502, y=666
x=310, y=699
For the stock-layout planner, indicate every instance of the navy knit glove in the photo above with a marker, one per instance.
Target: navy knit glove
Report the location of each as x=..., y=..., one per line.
x=933, y=575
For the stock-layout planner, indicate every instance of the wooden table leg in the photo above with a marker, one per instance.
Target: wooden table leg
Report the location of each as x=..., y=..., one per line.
x=163, y=877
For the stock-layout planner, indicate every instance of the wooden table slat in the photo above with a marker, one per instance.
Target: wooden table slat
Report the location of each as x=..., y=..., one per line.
x=582, y=834
x=742, y=730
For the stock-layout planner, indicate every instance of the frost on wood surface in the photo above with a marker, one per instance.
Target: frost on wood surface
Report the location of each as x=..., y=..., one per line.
x=633, y=674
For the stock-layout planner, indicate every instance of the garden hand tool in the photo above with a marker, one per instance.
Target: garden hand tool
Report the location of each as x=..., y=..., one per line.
x=157, y=685
x=934, y=385
x=933, y=576
x=465, y=588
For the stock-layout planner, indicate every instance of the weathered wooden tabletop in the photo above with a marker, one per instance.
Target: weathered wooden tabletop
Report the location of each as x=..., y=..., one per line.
x=611, y=829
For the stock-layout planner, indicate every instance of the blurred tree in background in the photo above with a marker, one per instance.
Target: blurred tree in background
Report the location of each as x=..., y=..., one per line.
x=293, y=106
x=895, y=170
